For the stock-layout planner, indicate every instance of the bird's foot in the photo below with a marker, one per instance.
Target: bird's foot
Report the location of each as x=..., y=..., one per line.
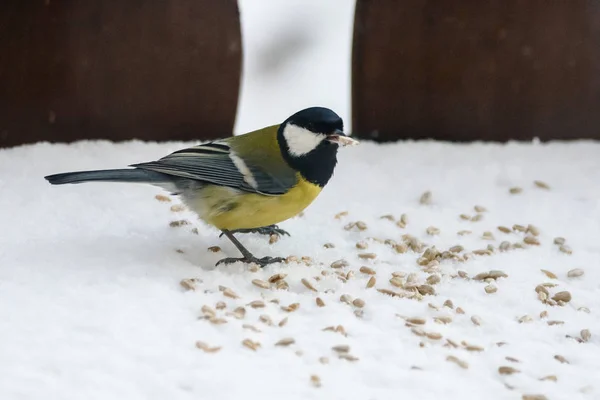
x=264, y=230
x=262, y=262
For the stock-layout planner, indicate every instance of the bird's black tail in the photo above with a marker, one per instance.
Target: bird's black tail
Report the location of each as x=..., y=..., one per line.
x=109, y=175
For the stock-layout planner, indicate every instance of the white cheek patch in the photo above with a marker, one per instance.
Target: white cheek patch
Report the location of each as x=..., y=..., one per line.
x=301, y=141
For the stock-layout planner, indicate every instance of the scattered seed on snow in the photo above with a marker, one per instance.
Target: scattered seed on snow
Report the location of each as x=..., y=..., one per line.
x=565, y=249
x=252, y=345
x=562, y=296
x=277, y=277
x=432, y=230
x=162, y=198
x=476, y=320
x=339, y=264
x=320, y=302
x=425, y=198
x=465, y=217
x=561, y=359
x=329, y=245
x=291, y=308
x=457, y=361
x=489, y=289
x=433, y=279
x=506, y=370
x=343, y=348
x=315, y=380
x=552, y=378
x=541, y=185
x=371, y=282
x=525, y=318
x=477, y=218
x=257, y=304
x=358, y=303
x=487, y=235
x=261, y=284
x=273, y=239
x=464, y=232
x=341, y=214
x=448, y=303
x=251, y=327
x=586, y=335
x=368, y=256
x=217, y=321
x=177, y=208
x=575, y=273
x=549, y=274
x=515, y=190
x=308, y=285
x=459, y=310
x=190, y=283
x=285, y=342
x=346, y=298
x=534, y=397
x=283, y=322
x=531, y=240
x=512, y=359
x=206, y=348
x=266, y=319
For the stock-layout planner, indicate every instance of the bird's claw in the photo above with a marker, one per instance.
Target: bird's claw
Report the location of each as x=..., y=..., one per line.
x=264, y=230
x=262, y=262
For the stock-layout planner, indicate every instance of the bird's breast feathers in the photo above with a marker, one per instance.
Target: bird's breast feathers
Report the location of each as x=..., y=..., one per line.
x=228, y=208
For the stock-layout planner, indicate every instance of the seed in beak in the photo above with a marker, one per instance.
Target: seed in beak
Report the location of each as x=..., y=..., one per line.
x=342, y=140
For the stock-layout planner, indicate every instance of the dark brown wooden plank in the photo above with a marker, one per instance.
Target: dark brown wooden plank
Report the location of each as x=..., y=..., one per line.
x=476, y=69
x=117, y=70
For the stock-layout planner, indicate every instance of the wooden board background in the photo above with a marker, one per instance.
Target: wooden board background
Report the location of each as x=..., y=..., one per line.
x=476, y=69
x=117, y=70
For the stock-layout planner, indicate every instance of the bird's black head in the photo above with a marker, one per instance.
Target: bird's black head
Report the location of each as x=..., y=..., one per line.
x=309, y=141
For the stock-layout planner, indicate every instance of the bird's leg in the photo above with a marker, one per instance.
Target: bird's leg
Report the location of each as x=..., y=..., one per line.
x=247, y=256
x=263, y=230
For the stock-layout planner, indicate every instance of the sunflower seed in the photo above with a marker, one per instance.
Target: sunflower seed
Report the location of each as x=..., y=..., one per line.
x=341, y=214
x=575, y=273
x=433, y=279
x=230, y=293
x=549, y=274
x=448, y=303
x=371, y=282
x=339, y=264
x=291, y=259
x=525, y=318
x=504, y=229
x=308, y=285
x=368, y=256
x=190, y=283
x=476, y=320
x=162, y=198
x=315, y=381
x=346, y=298
x=320, y=302
x=251, y=344
x=425, y=198
x=361, y=225
x=397, y=282
x=541, y=185
x=217, y=321
x=505, y=370
x=207, y=310
x=561, y=359
x=544, y=314
x=282, y=285
x=531, y=240
x=291, y=308
x=388, y=217
x=489, y=289
x=329, y=245
x=457, y=361
x=551, y=323
x=515, y=190
x=534, y=397
x=358, y=303
x=565, y=249
x=416, y=321
x=586, y=335
x=285, y=342
x=206, y=348
x=257, y=304
x=512, y=359
x=426, y=290
x=343, y=348
x=442, y=320
x=251, y=327
x=487, y=235
x=562, y=296
x=432, y=230
x=362, y=245
x=472, y=347
x=273, y=239
x=552, y=378
x=465, y=217
x=533, y=230
x=367, y=270
x=266, y=319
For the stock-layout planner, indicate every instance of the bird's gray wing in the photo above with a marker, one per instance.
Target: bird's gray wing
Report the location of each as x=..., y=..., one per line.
x=217, y=163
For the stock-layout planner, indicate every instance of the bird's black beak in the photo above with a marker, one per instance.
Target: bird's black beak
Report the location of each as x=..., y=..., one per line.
x=340, y=138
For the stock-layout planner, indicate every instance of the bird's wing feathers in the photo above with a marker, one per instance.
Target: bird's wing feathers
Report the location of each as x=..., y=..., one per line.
x=218, y=163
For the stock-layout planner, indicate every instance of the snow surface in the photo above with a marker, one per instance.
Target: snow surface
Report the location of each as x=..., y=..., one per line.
x=92, y=307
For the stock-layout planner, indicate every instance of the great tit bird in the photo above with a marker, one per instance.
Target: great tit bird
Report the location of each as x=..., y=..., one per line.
x=246, y=183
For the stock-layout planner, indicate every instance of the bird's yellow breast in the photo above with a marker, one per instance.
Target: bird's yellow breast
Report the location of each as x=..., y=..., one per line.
x=226, y=208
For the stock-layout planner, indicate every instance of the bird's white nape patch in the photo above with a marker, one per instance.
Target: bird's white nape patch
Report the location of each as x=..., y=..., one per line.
x=301, y=141
x=244, y=170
